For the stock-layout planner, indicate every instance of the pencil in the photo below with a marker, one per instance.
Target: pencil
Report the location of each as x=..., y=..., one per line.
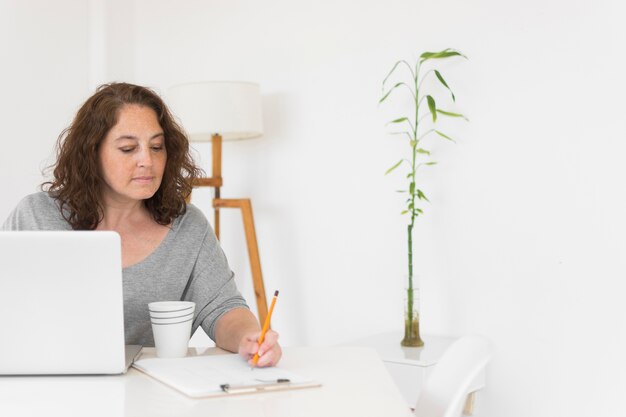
x=266, y=326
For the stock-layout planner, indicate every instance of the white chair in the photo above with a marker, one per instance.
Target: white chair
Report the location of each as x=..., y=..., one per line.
x=447, y=387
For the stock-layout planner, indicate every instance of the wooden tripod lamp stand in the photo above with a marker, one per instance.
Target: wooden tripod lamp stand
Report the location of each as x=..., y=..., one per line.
x=224, y=110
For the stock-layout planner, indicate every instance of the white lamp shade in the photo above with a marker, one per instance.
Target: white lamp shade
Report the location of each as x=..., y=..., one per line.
x=231, y=109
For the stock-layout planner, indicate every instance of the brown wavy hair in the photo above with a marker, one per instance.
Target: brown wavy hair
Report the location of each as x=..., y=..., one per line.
x=77, y=180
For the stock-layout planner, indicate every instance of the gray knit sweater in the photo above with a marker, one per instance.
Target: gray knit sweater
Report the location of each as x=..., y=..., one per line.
x=189, y=265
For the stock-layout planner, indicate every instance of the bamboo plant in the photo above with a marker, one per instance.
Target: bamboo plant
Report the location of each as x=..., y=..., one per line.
x=421, y=123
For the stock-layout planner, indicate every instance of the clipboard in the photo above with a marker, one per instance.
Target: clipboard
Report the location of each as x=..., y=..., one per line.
x=219, y=375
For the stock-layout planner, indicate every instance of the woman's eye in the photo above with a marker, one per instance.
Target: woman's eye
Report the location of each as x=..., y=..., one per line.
x=157, y=148
x=127, y=150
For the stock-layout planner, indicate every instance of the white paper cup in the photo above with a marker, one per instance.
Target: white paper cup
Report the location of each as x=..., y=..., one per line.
x=165, y=307
x=168, y=314
x=171, y=327
x=171, y=320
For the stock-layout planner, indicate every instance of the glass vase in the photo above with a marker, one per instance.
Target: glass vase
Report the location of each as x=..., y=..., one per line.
x=412, y=318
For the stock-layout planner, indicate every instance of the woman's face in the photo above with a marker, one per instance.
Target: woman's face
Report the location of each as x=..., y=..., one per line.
x=133, y=156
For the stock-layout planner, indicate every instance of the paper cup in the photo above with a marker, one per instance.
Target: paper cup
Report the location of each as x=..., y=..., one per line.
x=171, y=320
x=171, y=327
x=165, y=307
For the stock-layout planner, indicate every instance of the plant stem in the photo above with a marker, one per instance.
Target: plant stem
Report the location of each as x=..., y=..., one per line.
x=409, y=295
x=414, y=143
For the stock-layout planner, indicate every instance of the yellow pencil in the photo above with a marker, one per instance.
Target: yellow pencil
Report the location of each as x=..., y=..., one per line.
x=266, y=326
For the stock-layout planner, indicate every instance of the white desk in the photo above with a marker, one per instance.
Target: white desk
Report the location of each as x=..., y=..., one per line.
x=355, y=383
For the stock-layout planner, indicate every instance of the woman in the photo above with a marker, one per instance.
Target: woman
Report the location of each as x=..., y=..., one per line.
x=124, y=165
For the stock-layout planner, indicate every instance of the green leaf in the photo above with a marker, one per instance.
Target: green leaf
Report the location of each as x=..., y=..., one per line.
x=419, y=211
x=404, y=132
x=413, y=143
x=432, y=107
x=400, y=120
x=409, y=175
x=444, y=136
x=393, y=88
x=446, y=53
x=423, y=151
x=394, y=68
x=430, y=163
x=412, y=188
x=440, y=78
x=394, y=167
x=400, y=191
x=421, y=196
x=450, y=114
x=404, y=212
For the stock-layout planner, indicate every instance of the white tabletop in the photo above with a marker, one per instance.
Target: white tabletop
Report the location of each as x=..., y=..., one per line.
x=354, y=380
x=388, y=347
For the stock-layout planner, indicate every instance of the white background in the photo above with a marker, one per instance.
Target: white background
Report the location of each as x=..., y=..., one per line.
x=523, y=239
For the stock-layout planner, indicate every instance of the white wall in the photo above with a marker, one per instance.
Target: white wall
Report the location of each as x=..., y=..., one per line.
x=522, y=240
x=44, y=75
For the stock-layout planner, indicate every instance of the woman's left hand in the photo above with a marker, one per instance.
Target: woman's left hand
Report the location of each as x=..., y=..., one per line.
x=269, y=351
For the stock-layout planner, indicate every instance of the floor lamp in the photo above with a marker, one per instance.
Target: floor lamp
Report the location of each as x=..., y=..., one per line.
x=224, y=110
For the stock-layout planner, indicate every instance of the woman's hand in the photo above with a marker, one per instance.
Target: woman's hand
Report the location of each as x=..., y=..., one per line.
x=269, y=351
x=239, y=331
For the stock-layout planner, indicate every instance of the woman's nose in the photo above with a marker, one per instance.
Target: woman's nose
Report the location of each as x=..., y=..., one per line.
x=144, y=157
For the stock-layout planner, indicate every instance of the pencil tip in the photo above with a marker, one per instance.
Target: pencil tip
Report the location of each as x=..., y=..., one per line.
x=276, y=293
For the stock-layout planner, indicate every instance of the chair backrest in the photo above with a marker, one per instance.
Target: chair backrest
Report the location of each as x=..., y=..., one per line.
x=446, y=388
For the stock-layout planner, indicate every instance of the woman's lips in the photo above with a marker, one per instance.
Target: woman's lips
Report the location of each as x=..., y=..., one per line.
x=143, y=179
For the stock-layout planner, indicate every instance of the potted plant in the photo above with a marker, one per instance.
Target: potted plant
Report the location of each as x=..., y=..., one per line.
x=417, y=126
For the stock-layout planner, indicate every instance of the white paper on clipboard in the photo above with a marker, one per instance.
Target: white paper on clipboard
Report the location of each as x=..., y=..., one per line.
x=219, y=375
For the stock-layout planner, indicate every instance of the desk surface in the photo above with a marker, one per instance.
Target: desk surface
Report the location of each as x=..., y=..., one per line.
x=388, y=347
x=354, y=380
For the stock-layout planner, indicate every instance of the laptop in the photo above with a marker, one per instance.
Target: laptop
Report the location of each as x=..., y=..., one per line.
x=61, y=304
